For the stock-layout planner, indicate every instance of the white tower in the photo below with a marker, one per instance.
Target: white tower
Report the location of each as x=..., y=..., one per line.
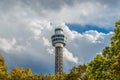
x=58, y=41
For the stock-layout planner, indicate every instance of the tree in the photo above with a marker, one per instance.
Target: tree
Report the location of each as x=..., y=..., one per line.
x=101, y=68
x=41, y=77
x=77, y=73
x=106, y=66
x=21, y=74
x=3, y=68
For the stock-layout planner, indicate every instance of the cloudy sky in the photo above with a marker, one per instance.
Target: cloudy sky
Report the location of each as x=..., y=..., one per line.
x=26, y=27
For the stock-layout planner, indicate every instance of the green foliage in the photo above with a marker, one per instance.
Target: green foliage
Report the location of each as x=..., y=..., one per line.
x=106, y=66
x=100, y=68
x=77, y=73
x=115, y=40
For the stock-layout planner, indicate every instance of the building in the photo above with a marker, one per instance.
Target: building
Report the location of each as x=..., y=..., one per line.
x=58, y=41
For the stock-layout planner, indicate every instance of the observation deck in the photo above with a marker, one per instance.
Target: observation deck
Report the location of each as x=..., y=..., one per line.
x=58, y=37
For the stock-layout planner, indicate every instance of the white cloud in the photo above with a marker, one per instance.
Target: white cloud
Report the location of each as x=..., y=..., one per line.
x=46, y=42
x=7, y=45
x=80, y=48
x=86, y=45
x=10, y=45
x=69, y=56
x=45, y=29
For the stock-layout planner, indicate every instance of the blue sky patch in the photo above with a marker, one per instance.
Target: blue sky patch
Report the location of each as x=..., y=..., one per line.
x=79, y=28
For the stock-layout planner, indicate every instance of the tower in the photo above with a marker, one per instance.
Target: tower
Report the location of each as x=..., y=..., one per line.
x=58, y=41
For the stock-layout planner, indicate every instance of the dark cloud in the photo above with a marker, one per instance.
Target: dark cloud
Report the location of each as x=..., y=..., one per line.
x=110, y=3
x=39, y=5
x=58, y=4
x=35, y=5
x=51, y=4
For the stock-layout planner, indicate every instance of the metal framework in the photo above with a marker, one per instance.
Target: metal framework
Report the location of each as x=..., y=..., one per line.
x=58, y=41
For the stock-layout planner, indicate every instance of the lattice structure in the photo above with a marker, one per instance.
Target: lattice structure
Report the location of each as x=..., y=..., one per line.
x=58, y=41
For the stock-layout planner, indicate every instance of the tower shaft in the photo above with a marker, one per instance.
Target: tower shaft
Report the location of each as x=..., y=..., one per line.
x=59, y=60
x=58, y=41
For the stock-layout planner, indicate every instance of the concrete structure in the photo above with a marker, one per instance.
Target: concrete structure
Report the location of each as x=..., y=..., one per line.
x=58, y=41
